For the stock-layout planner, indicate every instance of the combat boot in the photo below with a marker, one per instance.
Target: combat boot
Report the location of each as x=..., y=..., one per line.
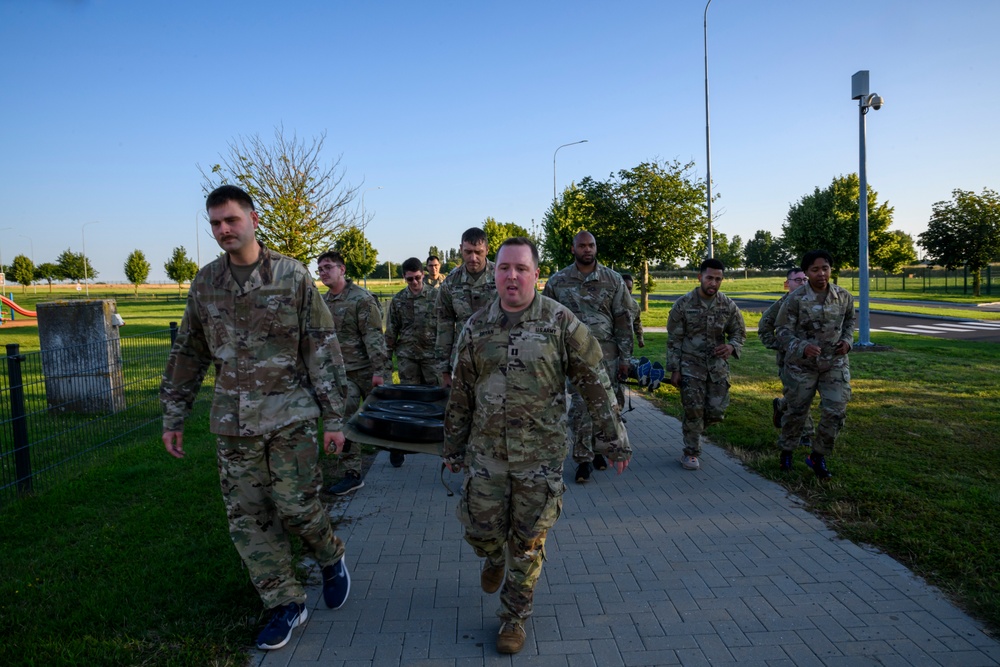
x=817, y=462
x=511, y=637
x=491, y=576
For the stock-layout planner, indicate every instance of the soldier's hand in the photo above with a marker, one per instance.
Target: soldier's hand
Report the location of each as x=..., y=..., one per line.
x=724, y=351
x=446, y=379
x=675, y=379
x=453, y=467
x=842, y=347
x=333, y=442
x=642, y=343
x=623, y=372
x=620, y=465
x=811, y=351
x=174, y=442
x=377, y=380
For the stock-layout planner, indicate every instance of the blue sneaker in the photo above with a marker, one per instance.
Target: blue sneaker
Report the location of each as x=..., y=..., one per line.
x=642, y=371
x=279, y=629
x=656, y=375
x=336, y=584
x=818, y=463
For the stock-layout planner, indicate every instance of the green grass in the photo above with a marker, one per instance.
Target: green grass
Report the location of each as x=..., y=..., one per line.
x=917, y=467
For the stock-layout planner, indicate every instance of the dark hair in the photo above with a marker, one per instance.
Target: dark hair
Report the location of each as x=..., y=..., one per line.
x=810, y=258
x=711, y=263
x=433, y=257
x=627, y=276
x=412, y=265
x=333, y=256
x=227, y=193
x=521, y=241
x=474, y=236
x=794, y=269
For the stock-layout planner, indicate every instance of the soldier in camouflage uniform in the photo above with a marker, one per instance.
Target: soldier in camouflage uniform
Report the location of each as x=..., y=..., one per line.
x=358, y=317
x=411, y=329
x=257, y=317
x=634, y=311
x=794, y=279
x=433, y=277
x=466, y=289
x=505, y=424
x=816, y=330
x=704, y=329
x=597, y=296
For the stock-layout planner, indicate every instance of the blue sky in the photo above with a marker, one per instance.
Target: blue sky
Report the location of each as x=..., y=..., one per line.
x=455, y=108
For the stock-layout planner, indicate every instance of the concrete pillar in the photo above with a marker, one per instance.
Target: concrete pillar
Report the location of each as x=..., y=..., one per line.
x=81, y=355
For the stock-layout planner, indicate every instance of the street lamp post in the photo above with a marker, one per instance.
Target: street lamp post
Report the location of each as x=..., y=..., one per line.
x=83, y=238
x=1, y=256
x=866, y=101
x=34, y=285
x=574, y=143
x=708, y=145
x=364, y=230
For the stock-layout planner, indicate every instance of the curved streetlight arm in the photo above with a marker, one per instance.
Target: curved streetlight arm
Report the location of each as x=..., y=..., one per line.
x=572, y=143
x=708, y=146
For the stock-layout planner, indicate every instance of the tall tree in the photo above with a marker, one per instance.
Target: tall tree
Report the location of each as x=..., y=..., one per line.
x=498, y=232
x=136, y=269
x=48, y=272
x=964, y=231
x=895, y=253
x=71, y=266
x=764, y=252
x=730, y=253
x=828, y=219
x=302, y=201
x=360, y=257
x=180, y=268
x=23, y=271
x=436, y=252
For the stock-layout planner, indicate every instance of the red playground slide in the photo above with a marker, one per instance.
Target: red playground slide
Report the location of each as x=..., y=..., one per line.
x=16, y=308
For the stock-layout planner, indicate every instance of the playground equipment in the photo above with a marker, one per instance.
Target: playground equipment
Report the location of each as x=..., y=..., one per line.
x=16, y=308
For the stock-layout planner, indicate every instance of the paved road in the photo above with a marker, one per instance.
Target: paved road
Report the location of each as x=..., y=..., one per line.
x=659, y=566
x=917, y=324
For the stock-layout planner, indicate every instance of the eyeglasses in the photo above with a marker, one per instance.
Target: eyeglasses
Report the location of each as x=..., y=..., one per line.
x=413, y=279
x=798, y=280
x=327, y=268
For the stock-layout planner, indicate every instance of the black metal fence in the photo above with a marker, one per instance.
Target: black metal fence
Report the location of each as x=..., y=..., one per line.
x=53, y=423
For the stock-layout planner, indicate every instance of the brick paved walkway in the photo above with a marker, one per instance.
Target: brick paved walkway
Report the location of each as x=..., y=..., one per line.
x=659, y=566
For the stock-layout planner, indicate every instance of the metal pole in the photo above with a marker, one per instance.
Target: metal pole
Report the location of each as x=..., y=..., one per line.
x=573, y=143
x=864, y=325
x=83, y=238
x=197, y=238
x=708, y=145
x=364, y=229
x=34, y=285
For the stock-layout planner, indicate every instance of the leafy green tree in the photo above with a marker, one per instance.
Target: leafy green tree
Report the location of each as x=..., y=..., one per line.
x=434, y=250
x=301, y=200
x=136, y=269
x=498, y=232
x=964, y=231
x=730, y=253
x=180, y=268
x=895, y=253
x=23, y=271
x=360, y=258
x=48, y=272
x=764, y=252
x=71, y=266
x=828, y=219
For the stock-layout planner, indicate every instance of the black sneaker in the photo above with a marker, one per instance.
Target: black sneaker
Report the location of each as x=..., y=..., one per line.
x=817, y=462
x=786, y=460
x=396, y=457
x=583, y=472
x=352, y=482
x=336, y=584
x=776, y=412
x=284, y=619
x=599, y=462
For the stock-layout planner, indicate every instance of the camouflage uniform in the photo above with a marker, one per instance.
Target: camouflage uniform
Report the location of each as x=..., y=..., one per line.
x=768, y=336
x=358, y=318
x=434, y=282
x=805, y=319
x=506, y=423
x=601, y=301
x=274, y=347
x=636, y=314
x=694, y=329
x=410, y=333
x=459, y=296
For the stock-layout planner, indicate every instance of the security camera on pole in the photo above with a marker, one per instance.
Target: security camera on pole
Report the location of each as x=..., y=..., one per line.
x=866, y=101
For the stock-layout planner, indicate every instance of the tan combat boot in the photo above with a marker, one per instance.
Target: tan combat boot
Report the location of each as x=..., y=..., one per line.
x=510, y=639
x=492, y=576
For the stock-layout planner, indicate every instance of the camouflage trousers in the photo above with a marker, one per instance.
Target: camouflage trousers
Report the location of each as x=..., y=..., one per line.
x=705, y=403
x=359, y=385
x=270, y=484
x=807, y=426
x=507, y=512
x=834, y=388
x=418, y=371
x=581, y=428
